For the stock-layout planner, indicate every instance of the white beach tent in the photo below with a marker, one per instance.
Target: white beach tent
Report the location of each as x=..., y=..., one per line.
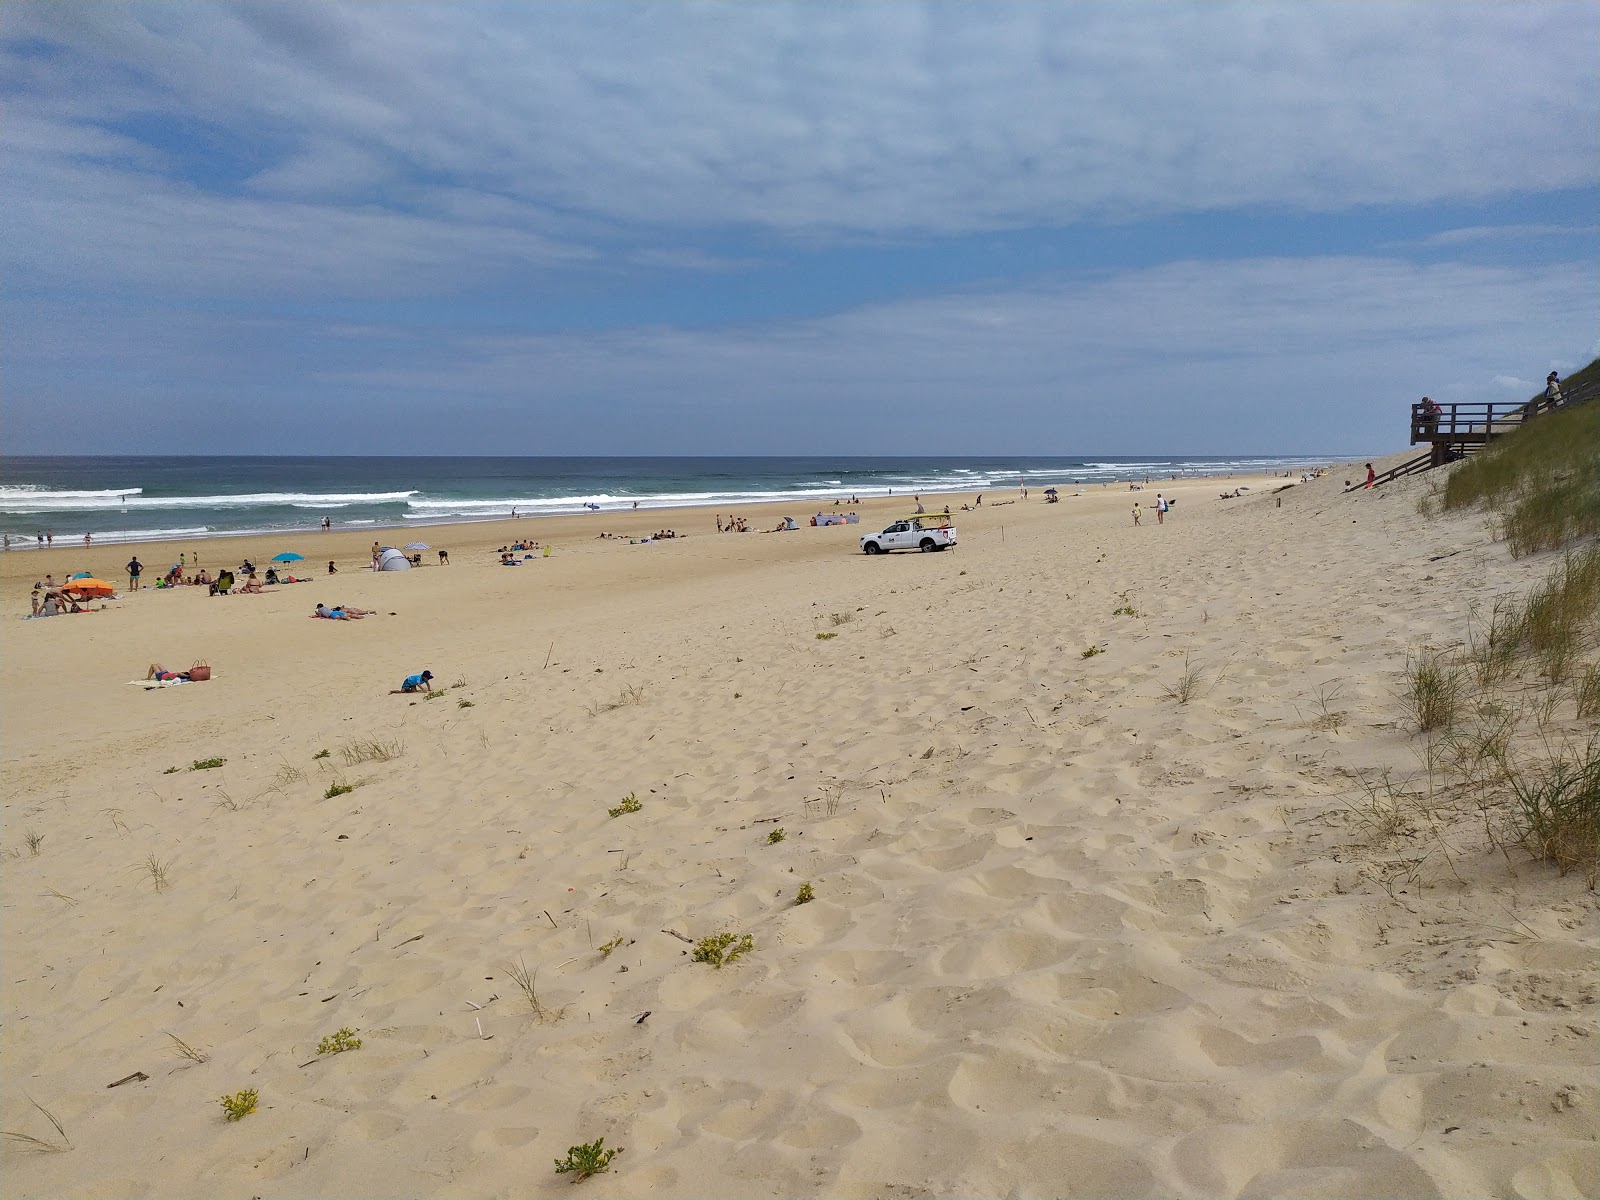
x=394, y=560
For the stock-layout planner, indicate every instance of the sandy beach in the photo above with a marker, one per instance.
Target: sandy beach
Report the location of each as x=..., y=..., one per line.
x=1072, y=934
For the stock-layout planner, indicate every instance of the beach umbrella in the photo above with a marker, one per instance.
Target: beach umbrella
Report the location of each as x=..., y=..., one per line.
x=287, y=556
x=89, y=587
x=417, y=546
x=81, y=575
x=1049, y=491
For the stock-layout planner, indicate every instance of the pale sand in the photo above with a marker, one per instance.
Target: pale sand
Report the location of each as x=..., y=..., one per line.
x=1070, y=938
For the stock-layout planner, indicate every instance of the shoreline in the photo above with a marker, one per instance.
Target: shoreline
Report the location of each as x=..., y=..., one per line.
x=1047, y=477
x=349, y=547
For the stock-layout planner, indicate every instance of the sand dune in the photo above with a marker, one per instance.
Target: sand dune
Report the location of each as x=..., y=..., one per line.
x=1070, y=936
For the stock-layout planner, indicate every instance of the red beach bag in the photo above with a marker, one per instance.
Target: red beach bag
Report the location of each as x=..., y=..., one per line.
x=200, y=672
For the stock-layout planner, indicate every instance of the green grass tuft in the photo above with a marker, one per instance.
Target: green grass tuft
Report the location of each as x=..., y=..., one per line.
x=239, y=1105
x=720, y=949
x=588, y=1159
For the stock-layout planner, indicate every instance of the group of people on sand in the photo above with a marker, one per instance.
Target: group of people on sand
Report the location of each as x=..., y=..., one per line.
x=733, y=525
x=54, y=602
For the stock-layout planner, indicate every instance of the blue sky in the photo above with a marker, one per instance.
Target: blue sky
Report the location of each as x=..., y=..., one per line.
x=284, y=227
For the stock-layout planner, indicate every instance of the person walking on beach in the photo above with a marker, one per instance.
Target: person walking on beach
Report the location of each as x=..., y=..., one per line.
x=49, y=537
x=134, y=569
x=1161, y=510
x=1552, y=390
x=377, y=553
x=444, y=558
x=1372, y=476
x=88, y=539
x=1138, y=514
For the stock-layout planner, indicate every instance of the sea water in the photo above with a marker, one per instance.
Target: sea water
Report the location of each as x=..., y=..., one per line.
x=130, y=499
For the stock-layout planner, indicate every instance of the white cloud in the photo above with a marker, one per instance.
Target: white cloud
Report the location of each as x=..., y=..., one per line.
x=869, y=119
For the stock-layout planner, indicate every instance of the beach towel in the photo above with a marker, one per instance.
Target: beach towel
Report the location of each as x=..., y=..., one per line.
x=147, y=684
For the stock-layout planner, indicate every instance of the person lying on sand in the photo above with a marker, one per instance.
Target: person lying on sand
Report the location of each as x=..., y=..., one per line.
x=414, y=683
x=341, y=613
x=158, y=672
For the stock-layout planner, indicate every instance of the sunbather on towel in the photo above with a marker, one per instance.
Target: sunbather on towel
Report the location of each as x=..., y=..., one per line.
x=341, y=612
x=160, y=674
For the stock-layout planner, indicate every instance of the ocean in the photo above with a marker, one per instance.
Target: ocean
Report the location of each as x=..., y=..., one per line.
x=132, y=499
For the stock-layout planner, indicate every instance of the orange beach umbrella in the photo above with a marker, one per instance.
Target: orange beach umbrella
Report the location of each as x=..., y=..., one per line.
x=89, y=587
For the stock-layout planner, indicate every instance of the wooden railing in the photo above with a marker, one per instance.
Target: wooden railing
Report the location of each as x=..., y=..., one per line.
x=1463, y=424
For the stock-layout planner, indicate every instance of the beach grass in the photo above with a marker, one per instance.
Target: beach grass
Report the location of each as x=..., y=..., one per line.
x=1543, y=479
x=372, y=749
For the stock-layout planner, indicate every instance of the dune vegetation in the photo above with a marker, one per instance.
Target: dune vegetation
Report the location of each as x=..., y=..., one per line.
x=1512, y=711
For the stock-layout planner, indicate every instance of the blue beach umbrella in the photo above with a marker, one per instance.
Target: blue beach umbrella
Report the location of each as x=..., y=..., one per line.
x=286, y=556
x=81, y=575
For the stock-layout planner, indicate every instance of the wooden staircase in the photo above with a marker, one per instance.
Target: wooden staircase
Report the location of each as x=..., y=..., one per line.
x=1460, y=429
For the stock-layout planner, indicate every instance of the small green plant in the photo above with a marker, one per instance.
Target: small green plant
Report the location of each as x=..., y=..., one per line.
x=172, y=770
x=373, y=749
x=1127, y=610
x=805, y=895
x=588, y=1159
x=1433, y=690
x=439, y=695
x=822, y=637
x=841, y=618
x=776, y=836
x=337, y=789
x=207, y=764
x=1586, y=691
x=35, y=839
x=1091, y=652
x=720, y=949
x=1557, y=803
x=465, y=704
x=1188, y=685
x=338, y=1043
x=630, y=804
x=239, y=1105
x=605, y=950
x=322, y=754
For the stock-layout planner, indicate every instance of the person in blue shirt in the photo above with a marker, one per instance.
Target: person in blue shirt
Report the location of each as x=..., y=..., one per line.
x=415, y=683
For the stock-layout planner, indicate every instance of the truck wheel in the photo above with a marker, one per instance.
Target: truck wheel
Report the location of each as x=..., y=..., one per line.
x=873, y=548
x=929, y=544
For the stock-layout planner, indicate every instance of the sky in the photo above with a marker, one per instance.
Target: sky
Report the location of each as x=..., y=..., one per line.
x=285, y=227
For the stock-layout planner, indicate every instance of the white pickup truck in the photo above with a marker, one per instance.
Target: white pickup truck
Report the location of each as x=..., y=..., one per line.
x=924, y=532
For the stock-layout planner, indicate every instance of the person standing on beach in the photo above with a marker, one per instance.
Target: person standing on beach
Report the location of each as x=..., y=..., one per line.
x=1138, y=513
x=49, y=537
x=377, y=553
x=1161, y=510
x=444, y=558
x=134, y=569
x=88, y=539
x=1372, y=476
